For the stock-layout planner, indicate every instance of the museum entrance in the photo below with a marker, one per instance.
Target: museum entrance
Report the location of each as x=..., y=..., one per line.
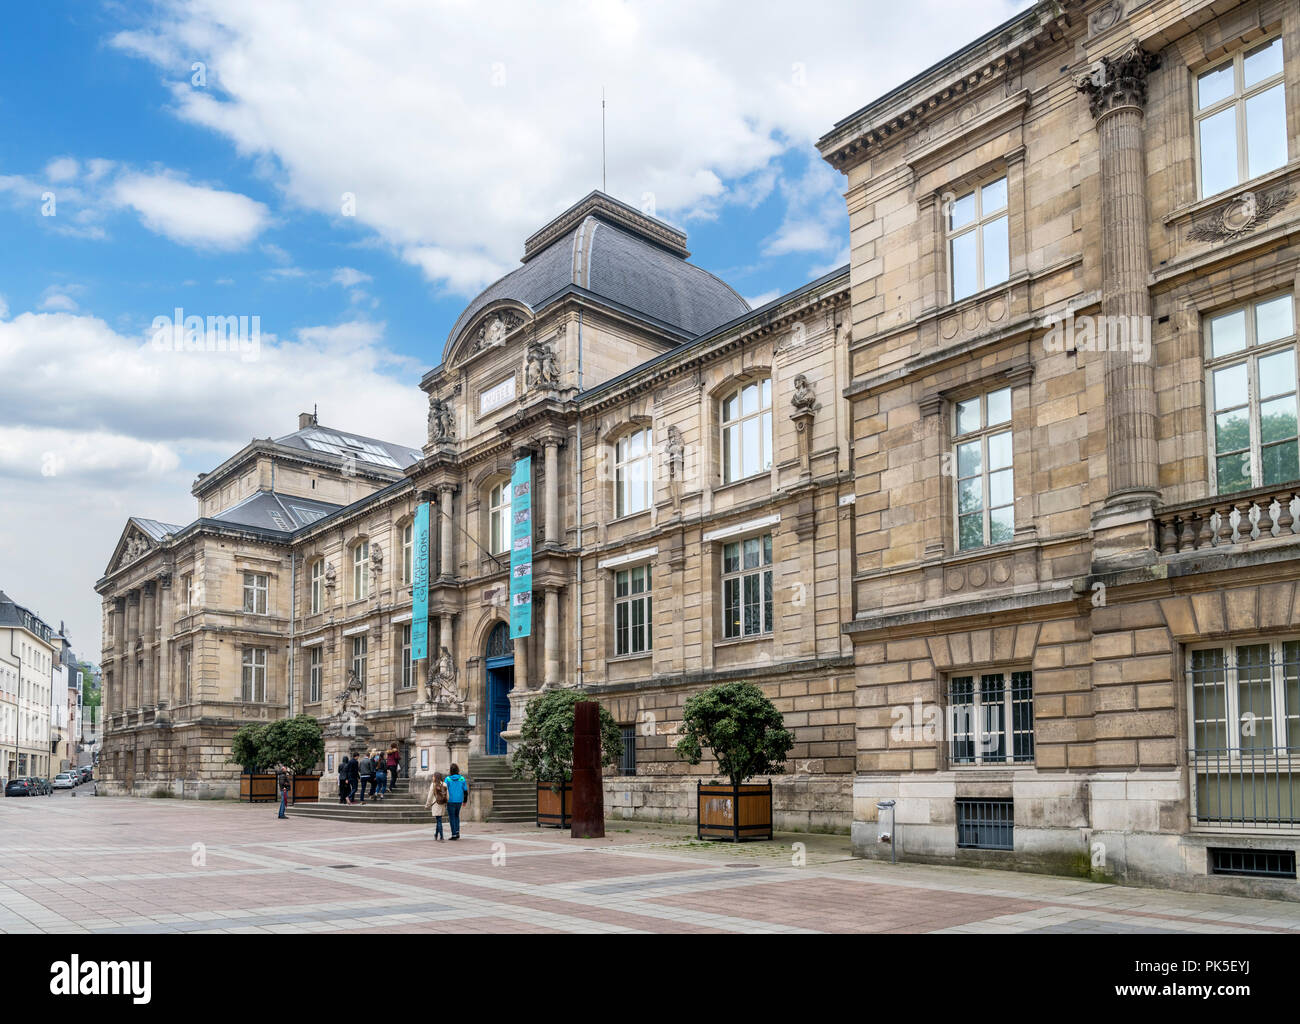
x=499, y=662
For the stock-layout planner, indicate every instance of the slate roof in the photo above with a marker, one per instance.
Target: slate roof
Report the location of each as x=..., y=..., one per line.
x=616, y=263
x=154, y=529
x=270, y=510
x=370, y=450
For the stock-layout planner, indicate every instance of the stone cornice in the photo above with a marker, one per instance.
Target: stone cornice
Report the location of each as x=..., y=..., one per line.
x=933, y=92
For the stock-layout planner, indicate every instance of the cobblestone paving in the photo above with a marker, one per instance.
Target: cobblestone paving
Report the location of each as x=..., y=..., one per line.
x=113, y=865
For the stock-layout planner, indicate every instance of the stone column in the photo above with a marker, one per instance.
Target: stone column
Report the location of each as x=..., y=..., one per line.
x=167, y=620
x=132, y=697
x=552, y=644
x=149, y=615
x=446, y=528
x=117, y=695
x=554, y=529
x=1117, y=92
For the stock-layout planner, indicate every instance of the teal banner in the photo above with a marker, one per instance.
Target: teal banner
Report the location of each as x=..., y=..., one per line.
x=420, y=584
x=521, y=549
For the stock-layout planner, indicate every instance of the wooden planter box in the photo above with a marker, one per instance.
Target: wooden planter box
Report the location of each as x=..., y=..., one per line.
x=735, y=813
x=554, y=808
x=259, y=788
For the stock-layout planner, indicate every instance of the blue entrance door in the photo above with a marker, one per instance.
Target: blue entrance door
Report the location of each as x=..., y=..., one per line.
x=500, y=663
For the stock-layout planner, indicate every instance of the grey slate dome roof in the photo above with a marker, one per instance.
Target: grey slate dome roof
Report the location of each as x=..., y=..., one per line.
x=622, y=255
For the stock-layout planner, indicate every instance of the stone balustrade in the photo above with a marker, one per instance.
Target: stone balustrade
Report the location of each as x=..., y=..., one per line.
x=1229, y=520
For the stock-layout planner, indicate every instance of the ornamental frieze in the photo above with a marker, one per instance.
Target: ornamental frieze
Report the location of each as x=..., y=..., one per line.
x=1241, y=216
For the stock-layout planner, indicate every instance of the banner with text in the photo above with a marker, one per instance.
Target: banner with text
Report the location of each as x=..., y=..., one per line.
x=420, y=584
x=521, y=549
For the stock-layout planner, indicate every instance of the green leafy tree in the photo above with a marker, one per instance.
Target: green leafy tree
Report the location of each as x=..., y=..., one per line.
x=297, y=743
x=246, y=747
x=545, y=749
x=741, y=726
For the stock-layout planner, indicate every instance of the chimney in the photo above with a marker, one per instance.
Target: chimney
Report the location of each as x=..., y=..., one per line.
x=306, y=419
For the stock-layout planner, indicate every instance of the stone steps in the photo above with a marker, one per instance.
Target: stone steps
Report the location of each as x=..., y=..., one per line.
x=513, y=800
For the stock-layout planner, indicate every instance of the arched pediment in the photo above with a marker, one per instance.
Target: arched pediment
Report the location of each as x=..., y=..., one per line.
x=492, y=328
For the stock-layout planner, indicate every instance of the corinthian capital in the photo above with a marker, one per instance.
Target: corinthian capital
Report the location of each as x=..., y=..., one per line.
x=1119, y=81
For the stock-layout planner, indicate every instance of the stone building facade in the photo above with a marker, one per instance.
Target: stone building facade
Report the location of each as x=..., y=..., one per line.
x=1074, y=277
x=690, y=461
x=1003, y=515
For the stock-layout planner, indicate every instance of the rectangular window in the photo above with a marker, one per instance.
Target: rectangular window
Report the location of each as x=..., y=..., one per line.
x=627, y=764
x=187, y=589
x=1245, y=732
x=360, y=647
x=408, y=553
x=991, y=718
x=1241, y=118
x=255, y=590
x=985, y=824
x=979, y=245
x=254, y=681
x=985, y=501
x=315, y=670
x=1251, y=366
x=408, y=676
x=747, y=587
x=632, y=608
x=499, y=518
x=187, y=673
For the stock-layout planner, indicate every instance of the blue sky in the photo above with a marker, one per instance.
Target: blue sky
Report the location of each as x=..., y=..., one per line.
x=457, y=128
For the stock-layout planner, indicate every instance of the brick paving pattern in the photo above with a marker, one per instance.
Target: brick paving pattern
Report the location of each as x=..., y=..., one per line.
x=121, y=866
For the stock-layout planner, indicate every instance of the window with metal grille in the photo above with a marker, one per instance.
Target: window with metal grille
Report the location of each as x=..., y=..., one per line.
x=1255, y=863
x=1245, y=729
x=989, y=721
x=985, y=824
x=627, y=765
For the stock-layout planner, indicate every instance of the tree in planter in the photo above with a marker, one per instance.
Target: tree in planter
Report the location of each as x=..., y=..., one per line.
x=246, y=748
x=545, y=749
x=741, y=726
x=297, y=743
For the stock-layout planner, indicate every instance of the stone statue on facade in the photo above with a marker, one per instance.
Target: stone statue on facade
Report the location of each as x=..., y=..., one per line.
x=674, y=458
x=331, y=577
x=540, y=370
x=376, y=560
x=136, y=547
x=352, y=701
x=442, y=420
x=441, y=687
x=804, y=398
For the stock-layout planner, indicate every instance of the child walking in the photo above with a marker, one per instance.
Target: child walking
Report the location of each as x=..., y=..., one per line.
x=436, y=801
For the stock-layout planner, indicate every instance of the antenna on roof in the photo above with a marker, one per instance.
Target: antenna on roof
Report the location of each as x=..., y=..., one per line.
x=314, y=419
x=602, y=139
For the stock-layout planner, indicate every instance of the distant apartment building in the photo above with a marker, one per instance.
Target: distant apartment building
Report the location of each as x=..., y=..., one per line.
x=27, y=659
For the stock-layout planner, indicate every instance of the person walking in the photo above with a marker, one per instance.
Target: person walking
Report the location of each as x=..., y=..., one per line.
x=366, y=773
x=457, y=793
x=282, y=783
x=354, y=777
x=392, y=757
x=381, y=777
x=436, y=801
x=345, y=786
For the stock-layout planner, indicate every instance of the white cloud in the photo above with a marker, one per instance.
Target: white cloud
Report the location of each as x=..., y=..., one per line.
x=763, y=299
x=193, y=215
x=702, y=104
x=63, y=168
x=59, y=302
x=349, y=277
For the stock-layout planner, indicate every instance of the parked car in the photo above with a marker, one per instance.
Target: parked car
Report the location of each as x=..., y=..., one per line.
x=43, y=786
x=21, y=787
x=87, y=772
x=64, y=780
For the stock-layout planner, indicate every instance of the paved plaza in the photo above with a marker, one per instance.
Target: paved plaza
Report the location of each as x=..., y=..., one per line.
x=116, y=865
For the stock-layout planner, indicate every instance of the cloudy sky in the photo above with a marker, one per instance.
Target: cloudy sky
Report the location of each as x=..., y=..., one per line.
x=351, y=174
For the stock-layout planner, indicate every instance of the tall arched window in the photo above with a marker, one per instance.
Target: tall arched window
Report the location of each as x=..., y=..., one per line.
x=499, y=518
x=317, y=586
x=632, y=473
x=360, y=574
x=499, y=644
x=747, y=431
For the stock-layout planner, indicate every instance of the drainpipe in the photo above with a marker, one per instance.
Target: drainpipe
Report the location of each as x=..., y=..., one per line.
x=577, y=462
x=293, y=622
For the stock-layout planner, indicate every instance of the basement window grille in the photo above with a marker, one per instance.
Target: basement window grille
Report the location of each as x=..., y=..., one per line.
x=1253, y=863
x=985, y=824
